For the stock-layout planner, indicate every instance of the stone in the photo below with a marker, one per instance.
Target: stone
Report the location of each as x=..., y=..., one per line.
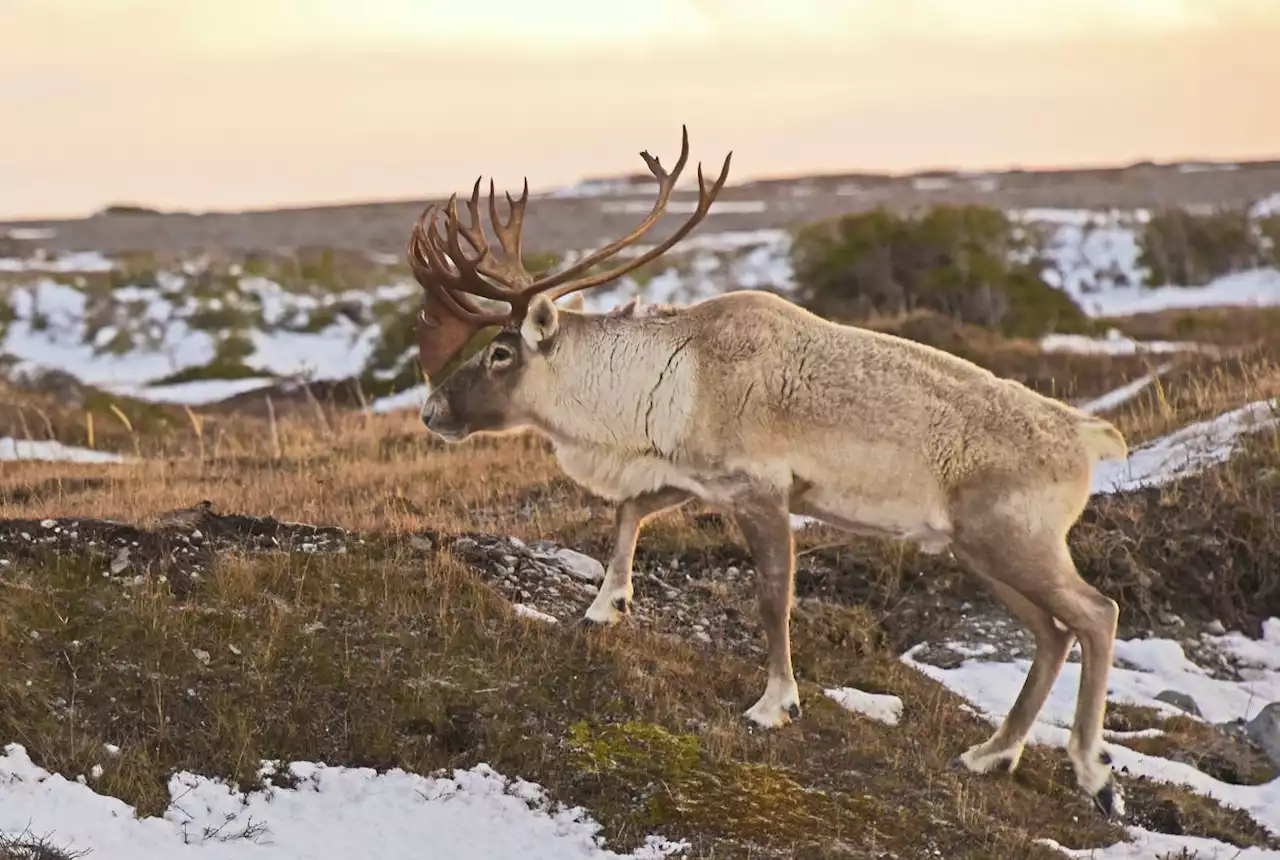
x=1179, y=700
x=579, y=565
x=1264, y=730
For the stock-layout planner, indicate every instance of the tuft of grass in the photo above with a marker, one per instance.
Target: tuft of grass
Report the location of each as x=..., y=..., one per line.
x=27, y=847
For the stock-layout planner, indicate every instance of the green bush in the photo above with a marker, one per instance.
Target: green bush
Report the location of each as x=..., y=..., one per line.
x=1190, y=250
x=968, y=262
x=1269, y=227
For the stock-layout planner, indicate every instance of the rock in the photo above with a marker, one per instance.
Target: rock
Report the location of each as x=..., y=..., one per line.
x=1179, y=700
x=1264, y=730
x=578, y=565
x=1216, y=628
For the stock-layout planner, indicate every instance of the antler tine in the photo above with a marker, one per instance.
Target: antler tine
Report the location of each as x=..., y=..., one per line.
x=666, y=184
x=471, y=270
x=432, y=271
x=705, y=198
x=474, y=232
x=511, y=270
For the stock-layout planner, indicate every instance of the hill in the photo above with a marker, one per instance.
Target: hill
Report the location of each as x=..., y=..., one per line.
x=248, y=608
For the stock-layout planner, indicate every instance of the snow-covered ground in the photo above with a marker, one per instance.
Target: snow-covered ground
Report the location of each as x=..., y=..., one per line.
x=1116, y=343
x=334, y=812
x=1122, y=395
x=1159, y=665
x=1186, y=451
x=140, y=334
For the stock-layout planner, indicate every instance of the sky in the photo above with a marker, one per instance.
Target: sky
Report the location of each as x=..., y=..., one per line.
x=226, y=104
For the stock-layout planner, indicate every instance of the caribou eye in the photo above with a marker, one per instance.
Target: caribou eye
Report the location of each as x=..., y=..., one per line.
x=501, y=354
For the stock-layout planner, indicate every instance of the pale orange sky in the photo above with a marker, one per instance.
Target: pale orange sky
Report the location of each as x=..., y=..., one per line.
x=214, y=104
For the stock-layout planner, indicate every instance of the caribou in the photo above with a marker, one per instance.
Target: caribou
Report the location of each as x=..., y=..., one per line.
x=758, y=408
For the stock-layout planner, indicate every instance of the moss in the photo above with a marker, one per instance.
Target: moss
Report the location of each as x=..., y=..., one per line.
x=673, y=782
x=954, y=259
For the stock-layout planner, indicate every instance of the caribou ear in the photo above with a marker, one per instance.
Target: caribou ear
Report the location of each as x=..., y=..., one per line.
x=541, y=322
x=575, y=302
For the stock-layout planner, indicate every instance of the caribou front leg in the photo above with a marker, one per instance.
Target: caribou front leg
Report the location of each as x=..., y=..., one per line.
x=765, y=521
x=614, y=599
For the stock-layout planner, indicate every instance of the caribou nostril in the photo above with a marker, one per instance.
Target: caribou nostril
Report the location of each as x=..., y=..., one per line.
x=428, y=412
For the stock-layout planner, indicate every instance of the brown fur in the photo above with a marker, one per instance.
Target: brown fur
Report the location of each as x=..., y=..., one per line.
x=763, y=409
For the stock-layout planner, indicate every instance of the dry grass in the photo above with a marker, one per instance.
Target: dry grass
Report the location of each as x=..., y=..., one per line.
x=1058, y=374
x=1198, y=389
x=1225, y=326
x=420, y=664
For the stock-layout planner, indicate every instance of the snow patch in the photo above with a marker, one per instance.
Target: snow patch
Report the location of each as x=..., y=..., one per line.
x=1256, y=288
x=410, y=398
x=334, y=812
x=525, y=611
x=1115, y=343
x=48, y=450
x=198, y=392
x=991, y=687
x=1148, y=845
x=76, y=261
x=1266, y=207
x=884, y=708
x=1123, y=394
x=1186, y=451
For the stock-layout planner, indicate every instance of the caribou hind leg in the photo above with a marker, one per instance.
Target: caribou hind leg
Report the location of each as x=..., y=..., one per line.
x=1032, y=572
x=1003, y=750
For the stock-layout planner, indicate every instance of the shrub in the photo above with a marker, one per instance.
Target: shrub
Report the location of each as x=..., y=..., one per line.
x=1187, y=249
x=968, y=262
x=1269, y=227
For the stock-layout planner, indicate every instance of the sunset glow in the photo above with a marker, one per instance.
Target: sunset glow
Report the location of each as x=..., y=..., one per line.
x=228, y=103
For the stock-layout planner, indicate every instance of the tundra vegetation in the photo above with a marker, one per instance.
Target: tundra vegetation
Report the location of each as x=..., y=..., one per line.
x=315, y=581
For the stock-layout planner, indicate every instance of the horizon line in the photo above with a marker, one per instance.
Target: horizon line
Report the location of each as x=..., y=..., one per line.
x=685, y=186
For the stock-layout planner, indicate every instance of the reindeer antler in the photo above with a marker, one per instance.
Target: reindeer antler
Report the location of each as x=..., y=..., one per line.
x=449, y=277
